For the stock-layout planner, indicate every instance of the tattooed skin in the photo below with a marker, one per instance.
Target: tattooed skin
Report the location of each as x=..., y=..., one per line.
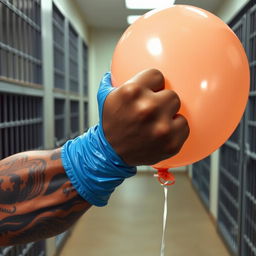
x=37, y=200
x=56, y=155
x=16, y=188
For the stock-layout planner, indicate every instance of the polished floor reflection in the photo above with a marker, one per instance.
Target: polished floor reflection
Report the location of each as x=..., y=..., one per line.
x=131, y=225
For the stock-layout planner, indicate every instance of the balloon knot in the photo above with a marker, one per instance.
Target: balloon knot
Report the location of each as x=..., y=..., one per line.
x=164, y=177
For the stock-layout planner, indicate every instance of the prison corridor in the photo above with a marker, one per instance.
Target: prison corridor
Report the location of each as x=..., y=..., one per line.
x=131, y=224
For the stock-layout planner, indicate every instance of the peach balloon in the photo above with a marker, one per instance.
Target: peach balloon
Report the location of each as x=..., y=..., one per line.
x=202, y=60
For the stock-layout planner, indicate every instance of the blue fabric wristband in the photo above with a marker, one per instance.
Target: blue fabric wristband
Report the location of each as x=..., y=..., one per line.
x=91, y=163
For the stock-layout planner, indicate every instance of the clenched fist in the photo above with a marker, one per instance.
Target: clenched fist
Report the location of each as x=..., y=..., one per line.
x=140, y=120
x=138, y=125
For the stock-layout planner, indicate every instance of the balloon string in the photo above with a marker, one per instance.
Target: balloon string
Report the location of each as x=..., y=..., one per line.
x=164, y=220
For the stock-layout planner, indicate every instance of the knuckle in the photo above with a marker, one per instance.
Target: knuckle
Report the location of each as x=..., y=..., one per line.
x=177, y=102
x=184, y=121
x=187, y=130
x=157, y=75
x=129, y=91
x=162, y=131
x=175, y=97
x=146, y=109
x=184, y=124
x=173, y=94
x=155, y=72
x=172, y=98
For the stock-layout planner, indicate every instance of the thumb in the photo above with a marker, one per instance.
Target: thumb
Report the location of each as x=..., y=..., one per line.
x=104, y=89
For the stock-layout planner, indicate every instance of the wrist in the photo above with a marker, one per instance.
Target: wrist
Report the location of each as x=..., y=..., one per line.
x=93, y=166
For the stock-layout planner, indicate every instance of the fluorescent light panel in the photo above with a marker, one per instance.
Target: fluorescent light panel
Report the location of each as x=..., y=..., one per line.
x=147, y=4
x=132, y=18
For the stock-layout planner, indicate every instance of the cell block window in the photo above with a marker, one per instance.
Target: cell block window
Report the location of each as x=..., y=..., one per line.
x=252, y=137
x=73, y=60
x=249, y=225
x=253, y=77
x=59, y=48
x=253, y=22
x=236, y=137
x=86, y=116
x=85, y=69
x=201, y=178
x=21, y=124
x=252, y=48
x=251, y=109
x=20, y=41
x=229, y=190
x=36, y=249
x=59, y=111
x=229, y=160
x=239, y=30
x=248, y=238
x=252, y=36
x=230, y=186
x=74, y=118
x=252, y=58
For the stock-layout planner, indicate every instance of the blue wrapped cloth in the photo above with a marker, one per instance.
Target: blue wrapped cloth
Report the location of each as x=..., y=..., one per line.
x=91, y=163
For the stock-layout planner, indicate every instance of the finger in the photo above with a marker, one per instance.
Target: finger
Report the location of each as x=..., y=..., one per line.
x=181, y=124
x=151, y=79
x=170, y=100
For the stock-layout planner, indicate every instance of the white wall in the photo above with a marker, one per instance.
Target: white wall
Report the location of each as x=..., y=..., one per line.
x=102, y=45
x=229, y=8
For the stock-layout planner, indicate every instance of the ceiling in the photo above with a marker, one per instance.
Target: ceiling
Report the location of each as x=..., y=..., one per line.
x=112, y=13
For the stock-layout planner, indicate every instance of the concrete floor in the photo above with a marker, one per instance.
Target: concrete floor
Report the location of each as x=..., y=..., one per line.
x=132, y=223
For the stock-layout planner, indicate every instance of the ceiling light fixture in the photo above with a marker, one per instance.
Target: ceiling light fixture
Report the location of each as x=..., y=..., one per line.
x=148, y=4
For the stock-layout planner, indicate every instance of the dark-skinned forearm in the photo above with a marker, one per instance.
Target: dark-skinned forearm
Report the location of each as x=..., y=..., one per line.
x=37, y=200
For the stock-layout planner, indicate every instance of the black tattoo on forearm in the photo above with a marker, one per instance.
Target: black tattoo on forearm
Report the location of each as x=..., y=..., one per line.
x=6, y=210
x=19, y=222
x=55, y=205
x=17, y=187
x=56, y=155
x=56, y=182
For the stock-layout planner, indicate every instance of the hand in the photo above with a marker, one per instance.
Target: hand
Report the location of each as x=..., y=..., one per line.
x=138, y=125
x=140, y=120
